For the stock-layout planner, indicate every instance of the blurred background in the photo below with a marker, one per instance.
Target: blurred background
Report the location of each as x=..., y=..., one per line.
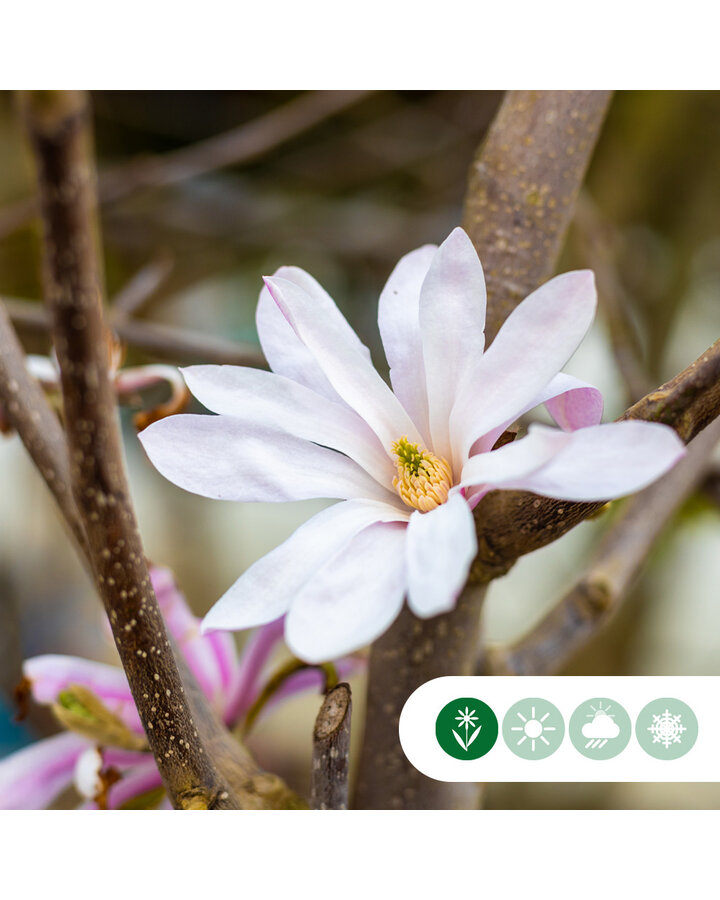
x=343, y=188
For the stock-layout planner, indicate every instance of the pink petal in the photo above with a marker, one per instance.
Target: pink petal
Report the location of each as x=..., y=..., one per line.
x=441, y=546
x=264, y=592
x=199, y=652
x=34, y=776
x=399, y=323
x=283, y=349
x=452, y=324
x=52, y=673
x=508, y=464
x=313, y=680
x=353, y=599
x=255, y=654
x=605, y=461
x=222, y=458
x=349, y=371
x=264, y=399
x=532, y=346
x=136, y=781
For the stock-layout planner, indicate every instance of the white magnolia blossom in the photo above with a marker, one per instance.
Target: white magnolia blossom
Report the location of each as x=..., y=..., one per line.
x=408, y=464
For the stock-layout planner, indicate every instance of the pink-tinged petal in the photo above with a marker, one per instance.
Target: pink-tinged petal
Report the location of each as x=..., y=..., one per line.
x=572, y=403
x=255, y=654
x=605, y=461
x=452, y=324
x=283, y=349
x=532, y=346
x=350, y=372
x=264, y=592
x=353, y=599
x=34, y=776
x=265, y=399
x=222, y=458
x=441, y=546
x=136, y=781
x=199, y=653
x=52, y=673
x=399, y=323
x=313, y=680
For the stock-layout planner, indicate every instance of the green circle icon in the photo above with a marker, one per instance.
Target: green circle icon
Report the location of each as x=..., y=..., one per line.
x=666, y=728
x=466, y=728
x=533, y=728
x=600, y=728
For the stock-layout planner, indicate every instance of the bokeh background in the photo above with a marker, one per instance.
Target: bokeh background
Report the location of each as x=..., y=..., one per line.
x=345, y=199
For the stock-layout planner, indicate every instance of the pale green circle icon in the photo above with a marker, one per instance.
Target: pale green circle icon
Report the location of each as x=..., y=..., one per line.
x=666, y=728
x=533, y=728
x=600, y=728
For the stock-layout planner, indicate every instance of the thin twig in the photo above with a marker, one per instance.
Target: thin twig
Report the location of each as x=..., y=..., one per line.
x=168, y=342
x=130, y=299
x=183, y=733
x=331, y=751
x=615, y=566
x=30, y=414
x=240, y=145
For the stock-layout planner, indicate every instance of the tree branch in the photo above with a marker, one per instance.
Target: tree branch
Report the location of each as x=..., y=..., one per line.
x=512, y=523
x=183, y=734
x=331, y=749
x=550, y=645
x=522, y=188
x=243, y=144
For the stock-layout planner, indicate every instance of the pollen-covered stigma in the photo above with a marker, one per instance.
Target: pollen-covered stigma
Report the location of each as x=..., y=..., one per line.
x=423, y=479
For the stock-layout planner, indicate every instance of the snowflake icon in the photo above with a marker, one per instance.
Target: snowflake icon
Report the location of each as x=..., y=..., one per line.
x=667, y=729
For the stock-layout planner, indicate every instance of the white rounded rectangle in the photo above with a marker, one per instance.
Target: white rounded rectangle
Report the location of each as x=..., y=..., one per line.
x=625, y=728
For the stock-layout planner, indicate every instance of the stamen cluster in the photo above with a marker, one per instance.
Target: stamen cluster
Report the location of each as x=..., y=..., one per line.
x=423, y=480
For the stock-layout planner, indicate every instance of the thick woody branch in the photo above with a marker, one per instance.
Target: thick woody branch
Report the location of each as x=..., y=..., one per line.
x=331, y=751
x=523, y=186
x=521, y=192
x=183, y=734
x=616, y=564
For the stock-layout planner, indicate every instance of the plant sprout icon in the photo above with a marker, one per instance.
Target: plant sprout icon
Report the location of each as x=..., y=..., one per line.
x=601, y=729
x=468, y=719
x=533, y=729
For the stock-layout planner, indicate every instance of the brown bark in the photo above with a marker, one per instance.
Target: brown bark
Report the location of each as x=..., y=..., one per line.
x=331, y=751
x=522, y=188
x=184, y=735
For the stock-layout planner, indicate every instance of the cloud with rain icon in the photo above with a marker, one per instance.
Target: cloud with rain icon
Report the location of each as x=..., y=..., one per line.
x=601, y=729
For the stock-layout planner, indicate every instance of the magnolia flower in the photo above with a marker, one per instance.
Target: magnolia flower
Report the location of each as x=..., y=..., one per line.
x=125, y=774
x=409, y=464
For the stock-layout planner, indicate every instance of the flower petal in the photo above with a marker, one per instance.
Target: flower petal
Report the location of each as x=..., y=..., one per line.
x=399, y=323
x=313, y=680
x=51, y=674
x=224, y=459
x=532, y=346
x=506, y=465
x=572, y=403
x=604, y=461
x=264, y=399
x=35, y=775
x=283, y=349
x=264, y=592
x=452, y=324
x=441, y=545
x=136, y=781
x=255, y=654
x=350, y=372
x=351, y=600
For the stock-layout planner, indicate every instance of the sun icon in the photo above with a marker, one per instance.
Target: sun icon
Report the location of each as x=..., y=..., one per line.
x=533, y=728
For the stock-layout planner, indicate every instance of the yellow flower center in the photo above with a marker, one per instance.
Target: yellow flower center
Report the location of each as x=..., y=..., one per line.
x=423, y=479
